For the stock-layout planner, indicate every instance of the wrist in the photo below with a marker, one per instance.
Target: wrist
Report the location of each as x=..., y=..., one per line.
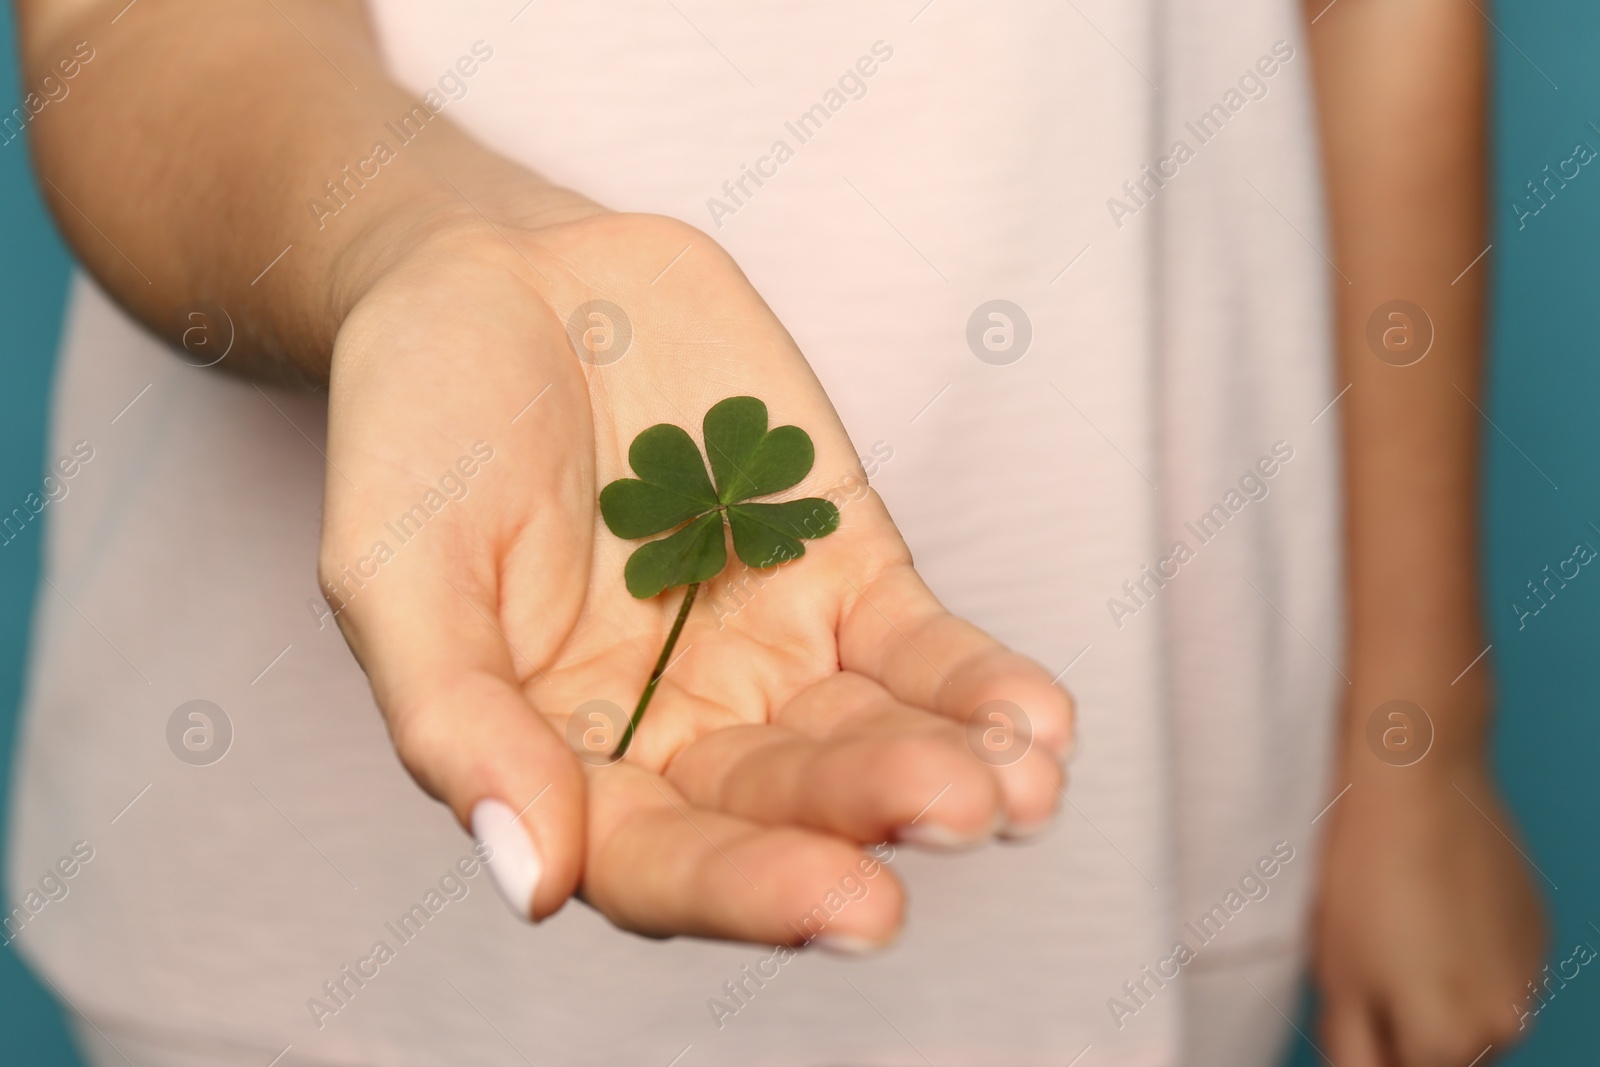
x=454, y=217
x=1412, y=726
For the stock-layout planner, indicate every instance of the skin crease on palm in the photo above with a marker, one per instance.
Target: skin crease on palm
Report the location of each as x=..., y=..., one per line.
x=827, y=713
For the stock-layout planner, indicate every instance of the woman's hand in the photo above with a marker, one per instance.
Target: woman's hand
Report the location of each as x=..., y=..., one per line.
x=827, y=712
x=1429, y=925
x=482, y=595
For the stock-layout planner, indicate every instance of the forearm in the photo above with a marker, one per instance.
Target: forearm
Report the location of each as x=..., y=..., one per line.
x=192, y=149
x=1401, y=92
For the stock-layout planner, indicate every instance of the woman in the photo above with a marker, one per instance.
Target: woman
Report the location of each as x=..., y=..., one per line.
x=1062, y=276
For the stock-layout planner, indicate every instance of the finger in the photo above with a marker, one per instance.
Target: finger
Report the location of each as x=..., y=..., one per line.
x=661, y=866
x=865, y=787
x=1351, y=1035
x=1030, y=776
x=442, y=672
x=1432, y=1028
x=849, y=707
x=898, y=634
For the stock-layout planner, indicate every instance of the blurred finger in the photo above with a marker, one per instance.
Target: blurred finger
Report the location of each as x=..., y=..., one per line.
x=1432, y=1029
x=1351, y=1037
x=896, y=633
x=660, y=865
x=863, y=787
x=850, y=706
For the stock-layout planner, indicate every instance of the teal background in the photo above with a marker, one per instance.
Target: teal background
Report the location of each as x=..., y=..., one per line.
x=1545, y=390
x=33, y=282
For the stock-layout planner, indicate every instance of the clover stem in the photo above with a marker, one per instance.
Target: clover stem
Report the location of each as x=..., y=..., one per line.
x=660, y=669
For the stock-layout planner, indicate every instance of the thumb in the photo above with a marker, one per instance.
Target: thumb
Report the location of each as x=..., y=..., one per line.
x=1352, y=1034
x=444, y=675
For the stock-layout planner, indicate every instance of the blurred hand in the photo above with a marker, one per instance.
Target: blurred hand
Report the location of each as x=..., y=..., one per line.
x=1429, y=925
x=828, y=712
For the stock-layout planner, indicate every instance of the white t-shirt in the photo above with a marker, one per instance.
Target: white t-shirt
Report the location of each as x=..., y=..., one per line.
x=1124, y=471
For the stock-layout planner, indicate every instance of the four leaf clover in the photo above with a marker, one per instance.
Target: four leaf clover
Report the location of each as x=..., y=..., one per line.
x=673, y=493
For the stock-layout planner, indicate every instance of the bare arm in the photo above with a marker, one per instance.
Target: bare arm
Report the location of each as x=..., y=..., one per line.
x=181, y=167
x=189, y=149
x=1401, y=90
x=1411, y=862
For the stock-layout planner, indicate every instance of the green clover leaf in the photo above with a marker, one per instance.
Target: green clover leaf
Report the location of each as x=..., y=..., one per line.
x=693, y=554
x=749, y=460
x=673, y=493
x=672, y=489
x=767, y=534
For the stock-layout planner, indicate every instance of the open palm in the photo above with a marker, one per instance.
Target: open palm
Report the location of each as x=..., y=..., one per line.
x=808, y=709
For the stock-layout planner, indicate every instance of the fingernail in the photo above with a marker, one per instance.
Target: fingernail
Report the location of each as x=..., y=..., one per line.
x=1065, y=748
x=936, y=835
x=931, y=835
x=513, y=861
x=846, y=944
x=1021, y=831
